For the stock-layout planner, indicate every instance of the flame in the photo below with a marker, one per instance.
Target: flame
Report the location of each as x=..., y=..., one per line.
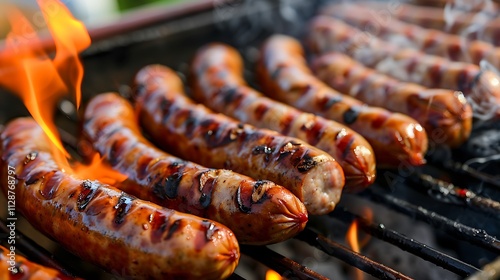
x=352, y=238
x=40, y=80
x=272, y=275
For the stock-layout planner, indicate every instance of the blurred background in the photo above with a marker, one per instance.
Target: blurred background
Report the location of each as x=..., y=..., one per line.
x=91, y=12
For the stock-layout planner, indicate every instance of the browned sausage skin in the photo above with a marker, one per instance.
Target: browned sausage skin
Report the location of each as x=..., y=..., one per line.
x=195, y=133
x=105, y=226
x=430, y=41
x=284, y=75
x=25, y=269
x=218, y=82
x=480, y=86
x=258, y=212
x=445, y=111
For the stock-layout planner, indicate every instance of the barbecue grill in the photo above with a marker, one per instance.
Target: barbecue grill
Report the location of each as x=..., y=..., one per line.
x=454, y=199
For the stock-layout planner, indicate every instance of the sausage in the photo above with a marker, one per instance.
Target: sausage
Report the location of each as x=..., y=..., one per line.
x=218, y=83
x=99, y=223
x=22, y=268
x=455, y=20
x=444, y=113
x=430, y=41
x=284, y=75
x=195, y=133
x=480, y=86
x=258, y=212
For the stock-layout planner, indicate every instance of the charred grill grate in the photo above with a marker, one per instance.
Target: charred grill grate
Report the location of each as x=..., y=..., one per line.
x=119, y=54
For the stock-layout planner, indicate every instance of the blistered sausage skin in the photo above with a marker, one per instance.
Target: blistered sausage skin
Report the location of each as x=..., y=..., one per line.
x=441, y=112
x=284, y=75
x=124, y=235
x=258, y=212
x=430, y=41
x=218, y=82
x=480, y=86
x=193, y=132
x=25, y=269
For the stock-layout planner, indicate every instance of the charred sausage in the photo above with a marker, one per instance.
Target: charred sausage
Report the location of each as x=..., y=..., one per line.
x=430, y=41
x=218, y=83
x=13, y=267
x=480, y=86
x=195, y=133
x=284, y=75
x=443, y=113
x=258, y=212
x=129, y=237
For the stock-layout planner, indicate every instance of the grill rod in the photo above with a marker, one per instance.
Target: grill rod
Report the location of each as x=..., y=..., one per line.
x=458, y=230
x=35, y=252
x=286, y=267
x=345, y=254
x=403, y=242
x=459, y=195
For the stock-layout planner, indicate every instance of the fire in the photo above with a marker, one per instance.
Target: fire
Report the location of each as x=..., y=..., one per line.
x=41, y=80
x=272, y=275
x=352, y=238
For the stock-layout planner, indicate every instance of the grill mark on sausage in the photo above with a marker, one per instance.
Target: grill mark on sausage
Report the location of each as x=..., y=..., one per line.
x=345, y=144
x=176, y=225
x=116, y=149
x=260, y=110
x=326, y=102
x=351, y=115
x=244, y=199
x=288, y=149
x=142, y=167
x=50, y=185
x=314, y=133
x=263, y=149
x=122, y=207
x=158, y=223
x=206, y=188
x=436, y=75
x=168, y=187
x=286, y=123
x=306, y=163
x=231, y=95
x=89, y=190
x=379, y=120
x=217, y=134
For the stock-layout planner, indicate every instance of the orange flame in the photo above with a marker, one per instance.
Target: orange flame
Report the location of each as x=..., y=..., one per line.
x=40, y=81
x=353, y=239
x=272, y=275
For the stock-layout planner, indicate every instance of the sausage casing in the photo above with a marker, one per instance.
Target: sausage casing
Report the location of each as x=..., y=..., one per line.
x=480, y=86
x=284, y=75
x=258, y=212
x=126, y=236
x=445, y=114
x=195, y=133
x=218, y=82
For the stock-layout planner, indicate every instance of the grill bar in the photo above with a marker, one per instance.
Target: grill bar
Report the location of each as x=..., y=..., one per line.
x=286, y=267
x=343, y=253
x=403, y=242
x=472, y=235
x=35, y=252
x=458, y=195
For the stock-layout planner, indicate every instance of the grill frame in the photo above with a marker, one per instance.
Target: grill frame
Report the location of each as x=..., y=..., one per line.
x=122, y=48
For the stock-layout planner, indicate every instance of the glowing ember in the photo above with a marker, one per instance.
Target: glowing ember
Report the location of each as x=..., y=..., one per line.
x=41, y=80
x=272, y=275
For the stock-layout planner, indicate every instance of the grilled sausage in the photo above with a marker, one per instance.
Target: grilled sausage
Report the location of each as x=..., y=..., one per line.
x=430, y=41
x=13, y=267
x=482, y=26
x=441, y=112
x=283, y=74
x=481, y=87
x=258, y=212
x=129, y=237
x=195, y=133
x=218, y=82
